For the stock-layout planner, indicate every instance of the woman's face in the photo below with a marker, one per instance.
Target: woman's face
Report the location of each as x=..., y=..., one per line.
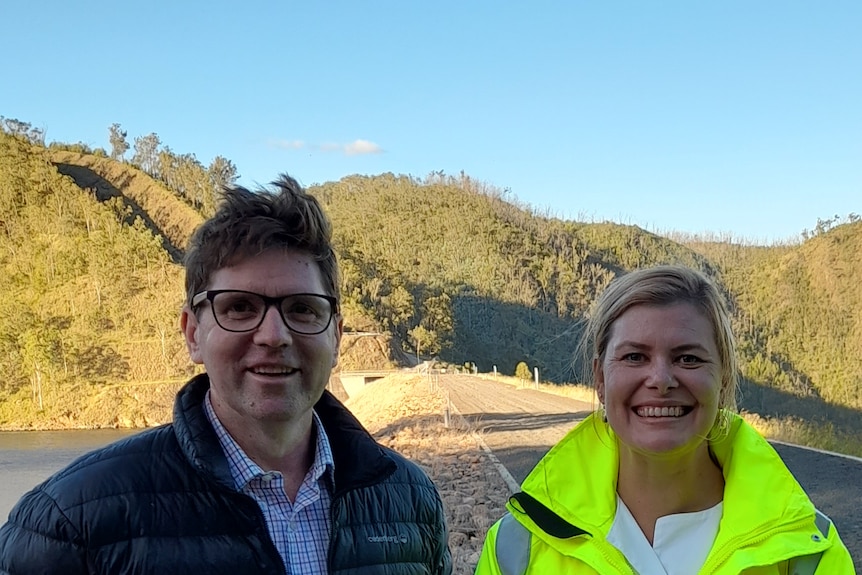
x=660, y=378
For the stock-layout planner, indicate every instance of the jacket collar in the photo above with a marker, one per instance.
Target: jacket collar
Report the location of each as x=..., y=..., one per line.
x=577, y=479
x=359, y=460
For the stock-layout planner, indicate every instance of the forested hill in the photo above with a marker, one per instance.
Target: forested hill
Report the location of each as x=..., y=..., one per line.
x=90, y=295
x=452, y=268
x=446, y=265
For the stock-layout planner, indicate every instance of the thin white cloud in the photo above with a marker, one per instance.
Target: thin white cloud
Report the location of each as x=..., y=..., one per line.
x=357, y=147
x=360, y=147
x=288, y=144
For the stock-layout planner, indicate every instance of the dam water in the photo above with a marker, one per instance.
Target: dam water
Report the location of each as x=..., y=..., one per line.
x=29, y=457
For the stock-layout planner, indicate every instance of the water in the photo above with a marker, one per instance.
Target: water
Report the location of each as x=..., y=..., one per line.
x=29, y=457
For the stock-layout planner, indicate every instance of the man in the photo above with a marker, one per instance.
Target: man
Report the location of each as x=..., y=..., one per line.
x=261, y=471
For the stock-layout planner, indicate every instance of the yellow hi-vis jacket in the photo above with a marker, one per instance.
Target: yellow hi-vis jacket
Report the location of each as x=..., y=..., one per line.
x=558, y=524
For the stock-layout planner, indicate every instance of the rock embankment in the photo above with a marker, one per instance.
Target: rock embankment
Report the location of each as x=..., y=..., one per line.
x=406, y=414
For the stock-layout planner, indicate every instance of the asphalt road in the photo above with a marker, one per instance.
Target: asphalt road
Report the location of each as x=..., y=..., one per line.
x=521, y=425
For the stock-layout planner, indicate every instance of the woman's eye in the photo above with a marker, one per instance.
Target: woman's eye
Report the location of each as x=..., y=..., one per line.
x=634, y=356
x=689, y=359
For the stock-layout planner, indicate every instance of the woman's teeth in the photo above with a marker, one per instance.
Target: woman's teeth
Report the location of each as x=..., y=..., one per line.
x=676, y=411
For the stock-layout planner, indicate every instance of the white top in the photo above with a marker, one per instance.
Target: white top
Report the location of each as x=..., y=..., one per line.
x=680, y=544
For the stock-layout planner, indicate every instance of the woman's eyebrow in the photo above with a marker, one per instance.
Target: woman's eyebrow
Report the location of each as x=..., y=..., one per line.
x=676, y=349
x=689, y=347
x=632, y=344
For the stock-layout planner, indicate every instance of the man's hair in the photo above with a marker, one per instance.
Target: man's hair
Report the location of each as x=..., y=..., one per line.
x=664, y=286
x=248, y=223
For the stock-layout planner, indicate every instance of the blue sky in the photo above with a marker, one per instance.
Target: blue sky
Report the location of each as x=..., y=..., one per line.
x=733, y=117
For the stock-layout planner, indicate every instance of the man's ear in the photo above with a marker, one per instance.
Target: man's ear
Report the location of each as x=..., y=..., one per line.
x=599, y=375
x=339, y=331
x=189, y=325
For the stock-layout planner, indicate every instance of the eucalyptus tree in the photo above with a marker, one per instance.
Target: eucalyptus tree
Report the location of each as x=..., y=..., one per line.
x=117, y=139
x=146, y=154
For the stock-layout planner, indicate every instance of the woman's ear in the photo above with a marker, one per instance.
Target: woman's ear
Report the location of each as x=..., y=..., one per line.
x=599, y=376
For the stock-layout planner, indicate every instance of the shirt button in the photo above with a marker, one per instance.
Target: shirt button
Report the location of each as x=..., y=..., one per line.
x=267, y=477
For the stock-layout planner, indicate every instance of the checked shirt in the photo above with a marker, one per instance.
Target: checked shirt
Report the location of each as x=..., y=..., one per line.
x=299, y=529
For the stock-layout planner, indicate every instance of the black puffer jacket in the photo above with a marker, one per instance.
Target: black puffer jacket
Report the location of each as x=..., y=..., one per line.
x=163, y=501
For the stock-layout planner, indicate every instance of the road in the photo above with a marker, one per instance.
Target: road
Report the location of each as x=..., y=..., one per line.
x=521, y=425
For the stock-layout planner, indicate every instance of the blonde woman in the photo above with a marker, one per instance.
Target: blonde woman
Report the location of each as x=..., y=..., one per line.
x=665, y=479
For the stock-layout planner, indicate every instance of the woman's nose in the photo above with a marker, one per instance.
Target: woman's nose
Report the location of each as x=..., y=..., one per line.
x=661, y=376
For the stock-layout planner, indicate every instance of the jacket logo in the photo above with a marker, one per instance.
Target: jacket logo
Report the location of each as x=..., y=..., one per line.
x=387, y=539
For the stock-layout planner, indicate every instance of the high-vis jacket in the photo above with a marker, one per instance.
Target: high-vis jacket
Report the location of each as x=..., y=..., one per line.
x=560, y=521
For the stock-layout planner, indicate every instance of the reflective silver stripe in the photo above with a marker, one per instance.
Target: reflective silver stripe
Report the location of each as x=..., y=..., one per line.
x=807, y=564
x=823, y=522
x=512, y=546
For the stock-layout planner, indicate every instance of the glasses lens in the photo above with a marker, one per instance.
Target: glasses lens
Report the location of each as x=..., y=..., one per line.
x=238, y=311
x=308, y=314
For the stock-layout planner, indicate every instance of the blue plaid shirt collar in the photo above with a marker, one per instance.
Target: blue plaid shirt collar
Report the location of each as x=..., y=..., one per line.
x=244, y=469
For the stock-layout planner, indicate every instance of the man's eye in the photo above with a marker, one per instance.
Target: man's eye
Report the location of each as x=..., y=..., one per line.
x=240, y=306
x=305, y=311
x=301, y=308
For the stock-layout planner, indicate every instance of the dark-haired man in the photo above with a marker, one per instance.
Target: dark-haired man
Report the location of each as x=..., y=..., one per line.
x=261, y=471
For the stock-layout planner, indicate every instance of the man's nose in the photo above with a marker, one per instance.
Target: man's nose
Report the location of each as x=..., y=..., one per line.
x=272, y=331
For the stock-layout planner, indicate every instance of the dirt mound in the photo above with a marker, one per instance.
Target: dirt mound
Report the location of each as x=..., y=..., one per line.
x=404, y=412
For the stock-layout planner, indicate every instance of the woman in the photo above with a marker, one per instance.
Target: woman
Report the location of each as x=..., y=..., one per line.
x=665, y=478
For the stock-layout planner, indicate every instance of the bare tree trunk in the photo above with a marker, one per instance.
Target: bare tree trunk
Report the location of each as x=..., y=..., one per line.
x=39, y=387
x=163, y=337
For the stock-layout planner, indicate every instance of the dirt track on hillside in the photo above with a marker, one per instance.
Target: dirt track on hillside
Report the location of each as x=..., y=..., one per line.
x=520, y=425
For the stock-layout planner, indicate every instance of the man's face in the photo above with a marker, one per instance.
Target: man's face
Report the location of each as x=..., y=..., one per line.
x=270, y=374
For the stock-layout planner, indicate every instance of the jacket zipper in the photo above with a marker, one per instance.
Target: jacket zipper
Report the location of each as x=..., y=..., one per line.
x=746, y=540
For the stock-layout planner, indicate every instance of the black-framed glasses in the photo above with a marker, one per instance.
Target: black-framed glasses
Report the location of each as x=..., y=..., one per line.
x=240, y=311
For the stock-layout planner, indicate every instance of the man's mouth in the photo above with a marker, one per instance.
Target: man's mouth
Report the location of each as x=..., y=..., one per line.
x=273, y=370
x=673, y=411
